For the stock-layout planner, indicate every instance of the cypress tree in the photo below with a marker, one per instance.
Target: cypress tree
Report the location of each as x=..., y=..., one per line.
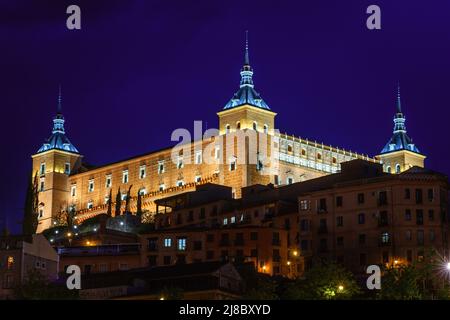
x=30, y=216
x=109, y=211
x=139, y=205
x=127, y=200
x=118, y=203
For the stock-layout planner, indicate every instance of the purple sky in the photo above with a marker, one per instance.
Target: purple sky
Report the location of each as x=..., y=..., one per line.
x=139, y=69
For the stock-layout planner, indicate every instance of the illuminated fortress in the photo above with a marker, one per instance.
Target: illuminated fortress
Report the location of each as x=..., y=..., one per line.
x=65, y=181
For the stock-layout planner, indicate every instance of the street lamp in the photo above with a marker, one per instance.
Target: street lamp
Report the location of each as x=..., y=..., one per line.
x=448, y=266
x=341, y=288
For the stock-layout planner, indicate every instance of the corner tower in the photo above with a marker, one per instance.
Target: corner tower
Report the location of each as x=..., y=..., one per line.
x=400, y=153
x=53, y=163
x=246, y=109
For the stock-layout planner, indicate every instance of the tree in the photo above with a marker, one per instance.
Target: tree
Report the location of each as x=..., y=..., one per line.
x=263, y=288
x=36, y=286
x=70, y=216
x=325, y=281
x=127, y=200
x=31, y=215
x=109, y=211
x=400, y=282
x=118, y=203
x=139, y=205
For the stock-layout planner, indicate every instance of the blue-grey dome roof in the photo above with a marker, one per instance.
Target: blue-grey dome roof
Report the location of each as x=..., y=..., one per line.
x=400, y=139
x=246, y=93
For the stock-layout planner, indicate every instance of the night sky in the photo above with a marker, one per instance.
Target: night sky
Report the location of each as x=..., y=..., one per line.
x=139, y=69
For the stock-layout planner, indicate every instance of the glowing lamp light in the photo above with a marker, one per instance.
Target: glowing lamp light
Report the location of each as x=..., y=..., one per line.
x=69, y=234
x=448, y=266
x=51, y=240
x=288, y=263
x=88, y=243
x=395, y=261
x=75, y=227
x=295, y=253
x=162, y=298
x=341, y=288
x=95, y=229
x=121, y=223
x=56, y=231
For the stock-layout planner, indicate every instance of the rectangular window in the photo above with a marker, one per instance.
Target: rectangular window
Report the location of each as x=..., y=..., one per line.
x=151, y=261
x=304, y=225
x=142, y=172
x=304, y=205
x=340, y=221
x=431, y=215
x=420, y=237
x=90, y=205
x=198, y=157
x=42, y=168
x=198, y=179
x=73, y=190
x=233, y=219
x=233, y=164
x=362, y=239
x=360, y=198
x=197, y=245
x=407, y=193
x=432, y=235
x=339, y=201
x=167, y=242
x=108, y=181
x=41, y=213
x=408, y=215
x=385, y=238
x=123, y=196
x=160, y=167
x=217, y=153
x=383, y=219
x=180, y=183
x=361, y=218
x=67, y=168
x=106, y=199
x=430, y=195
x=125, y=176
x=382, y=198
x=210, y=238
x=209, y=255
x=225, y=221
x=202, y=213
x=254, y=236
x=162, y=187
x=419, y=217
x=304, y=245
x=167, y=260
x=290, y=180
x=322, y=205
x=180, y=163
x=408, y=235
x=91, y=186
x=419, y=196
x=182, y=244
x=42, y=185
x=340, y=241
x=276, y=180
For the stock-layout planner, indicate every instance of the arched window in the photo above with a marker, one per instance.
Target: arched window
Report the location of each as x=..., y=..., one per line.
x=388, y=169
x=319, y=156
x=238, y=125
x=303, y=152
x=397, y=168
x=266, y=128
x=227, y=128
x=255, y=125
x=334, y=160
x=289, y=148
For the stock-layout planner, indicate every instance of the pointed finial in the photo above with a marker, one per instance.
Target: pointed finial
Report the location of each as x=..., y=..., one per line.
x=59, y=100
x=246, y=58
x=399, y=106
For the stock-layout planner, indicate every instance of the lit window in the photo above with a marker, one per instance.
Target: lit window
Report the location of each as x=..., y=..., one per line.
x=125, y=176
x=123, y=196
x=180, y=163
x=182, y=244
x=385, y=237
x=42, y=168
x=388, y=169
x=90, y=204
x=142, y=172
x=233, y=164
x=397, y=168
x=198, y=157
x=334, y=160
x=180, y=183
x=233, y=220
x=304, y=205
x=160, y=167
x=91, y=186
x=73, y=190
x=108, y=182
x=143, y=192
x=10, y=262
x=42, y=185
x=106, y=199
x=225, y=221
x=198, y=179
x=217, y=152
x=67, y=168
x=167, y=242
x=162, y=187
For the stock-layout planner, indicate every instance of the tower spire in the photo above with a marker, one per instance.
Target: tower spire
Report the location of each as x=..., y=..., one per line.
x=399, y=105
x=59, y=110
x=246, y=57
